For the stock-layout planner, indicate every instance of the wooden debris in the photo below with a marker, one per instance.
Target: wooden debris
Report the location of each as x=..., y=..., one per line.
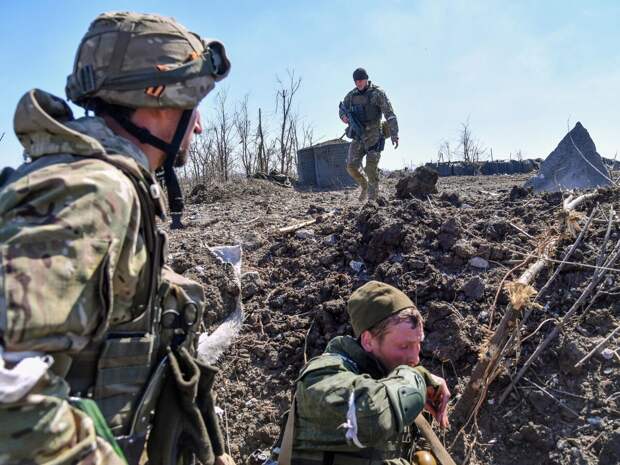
x=303, y=224
x=599, y=274
x=486, y=369
x=437, y=447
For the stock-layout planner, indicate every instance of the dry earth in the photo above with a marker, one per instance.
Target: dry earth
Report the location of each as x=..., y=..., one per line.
x=295, y=288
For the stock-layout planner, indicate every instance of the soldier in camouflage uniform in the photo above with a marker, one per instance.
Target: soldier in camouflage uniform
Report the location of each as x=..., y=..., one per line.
x=82, y=279
x=356, y=402
x=368, y=102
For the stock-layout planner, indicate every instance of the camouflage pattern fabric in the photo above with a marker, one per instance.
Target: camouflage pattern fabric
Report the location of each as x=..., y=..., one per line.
x=72, y=265
x=145, y=60
x=71, y=254
x=43, y=427
x=370, y=138
x=385, y=404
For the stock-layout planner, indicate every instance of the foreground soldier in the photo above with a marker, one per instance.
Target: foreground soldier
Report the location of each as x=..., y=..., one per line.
x=367, y=102
x=87, y=307
x=356, y=403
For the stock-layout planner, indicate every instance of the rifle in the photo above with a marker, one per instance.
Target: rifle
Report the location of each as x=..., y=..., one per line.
x=354, y=129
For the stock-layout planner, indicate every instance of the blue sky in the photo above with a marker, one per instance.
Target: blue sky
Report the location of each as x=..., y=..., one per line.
x=518, y=70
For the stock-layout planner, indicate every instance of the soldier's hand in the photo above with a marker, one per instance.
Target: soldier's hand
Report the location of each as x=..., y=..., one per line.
x=344, y=119
x=224, y=460
x=395, y=141
x=437, y=401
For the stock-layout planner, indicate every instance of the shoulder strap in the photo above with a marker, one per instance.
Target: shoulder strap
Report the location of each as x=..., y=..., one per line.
x=149, y=194
x=286, y=448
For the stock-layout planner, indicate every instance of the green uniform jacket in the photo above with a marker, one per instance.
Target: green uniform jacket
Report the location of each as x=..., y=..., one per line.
x=345, y=389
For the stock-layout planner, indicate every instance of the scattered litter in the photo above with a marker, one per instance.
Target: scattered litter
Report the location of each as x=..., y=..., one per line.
x=607, y=353
x=356, y=266
x=595, y=421
x=304, y=234
x=479, y=262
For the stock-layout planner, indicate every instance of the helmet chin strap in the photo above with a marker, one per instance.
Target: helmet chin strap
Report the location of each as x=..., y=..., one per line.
x=171, y=149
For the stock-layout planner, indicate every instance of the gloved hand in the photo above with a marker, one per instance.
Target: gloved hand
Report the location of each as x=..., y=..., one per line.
x=395, y=141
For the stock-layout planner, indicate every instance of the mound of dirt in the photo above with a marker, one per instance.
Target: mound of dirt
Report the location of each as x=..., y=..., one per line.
x=296, y=287
x=419, y=184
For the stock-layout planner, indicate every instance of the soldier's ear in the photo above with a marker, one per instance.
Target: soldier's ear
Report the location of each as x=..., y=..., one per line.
x=367, y=340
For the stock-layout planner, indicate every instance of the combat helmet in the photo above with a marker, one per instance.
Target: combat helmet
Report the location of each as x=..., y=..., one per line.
x=134, y=60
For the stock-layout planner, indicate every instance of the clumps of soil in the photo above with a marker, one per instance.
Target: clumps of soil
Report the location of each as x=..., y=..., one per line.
x=450, y=257
x=217, y=279
x=221, y=192
x=420, y=183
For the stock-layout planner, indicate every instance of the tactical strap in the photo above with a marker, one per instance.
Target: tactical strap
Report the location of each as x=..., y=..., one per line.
x=286, y=447
x=85, y=83
x=150, y=233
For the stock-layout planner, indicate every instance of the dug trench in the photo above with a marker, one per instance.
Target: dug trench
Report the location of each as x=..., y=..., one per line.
x=450, y=251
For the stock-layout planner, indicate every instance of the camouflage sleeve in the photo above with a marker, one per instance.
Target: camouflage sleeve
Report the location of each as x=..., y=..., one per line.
x=42, y=427
x=381, y=408
x=347, y=103
x=386, y=108
x=70, y=255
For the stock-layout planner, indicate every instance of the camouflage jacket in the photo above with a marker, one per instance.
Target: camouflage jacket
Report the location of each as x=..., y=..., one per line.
x=371, y=102
x=81, y=277
x=347, y=402
x=72, y=254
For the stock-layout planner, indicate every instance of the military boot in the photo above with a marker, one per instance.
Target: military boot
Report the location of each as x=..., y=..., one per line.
x=176, y=221
x=363, y=194
x=373, y=192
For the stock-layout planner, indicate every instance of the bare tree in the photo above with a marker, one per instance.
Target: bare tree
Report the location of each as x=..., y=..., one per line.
x=470, y=149
x=307, y=135
x=222, y=128
x=201, y=166
x=284, y=101
x=243, y=125
x=444, y=153
x=262, y=157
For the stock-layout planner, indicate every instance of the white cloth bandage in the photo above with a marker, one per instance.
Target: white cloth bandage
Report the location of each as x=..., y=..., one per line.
x=351, y=424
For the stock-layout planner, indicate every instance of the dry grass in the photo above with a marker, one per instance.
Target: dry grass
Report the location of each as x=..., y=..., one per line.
x=520, y=294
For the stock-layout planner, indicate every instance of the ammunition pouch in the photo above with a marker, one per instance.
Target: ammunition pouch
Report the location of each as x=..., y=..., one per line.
x=378, y=147
x=385, y=130
x=365, y=111
x=185, y=420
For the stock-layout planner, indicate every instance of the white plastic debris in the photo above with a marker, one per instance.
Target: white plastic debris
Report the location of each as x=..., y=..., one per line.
x=356, y=266
x=304, y=234
x=212, y=346
x=595, y=421
x=607, y=354
x=479, y=262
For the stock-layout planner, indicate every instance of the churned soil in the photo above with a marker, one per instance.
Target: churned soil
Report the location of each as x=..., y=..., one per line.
x=449, y=251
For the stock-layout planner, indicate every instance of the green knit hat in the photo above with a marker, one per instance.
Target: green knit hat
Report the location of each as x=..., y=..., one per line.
x=374, y=302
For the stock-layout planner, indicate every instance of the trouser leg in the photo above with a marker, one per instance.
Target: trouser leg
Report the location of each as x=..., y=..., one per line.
x=372, y=172
x=354, y=164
